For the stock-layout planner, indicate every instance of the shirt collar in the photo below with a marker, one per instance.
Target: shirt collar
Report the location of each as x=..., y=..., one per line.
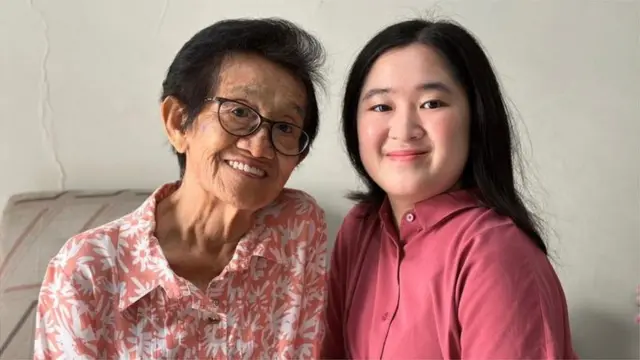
x=139, y=248
x=431, y=212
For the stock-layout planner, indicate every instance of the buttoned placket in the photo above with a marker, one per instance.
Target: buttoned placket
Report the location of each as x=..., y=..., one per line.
x=388, y=314
x=392, y=249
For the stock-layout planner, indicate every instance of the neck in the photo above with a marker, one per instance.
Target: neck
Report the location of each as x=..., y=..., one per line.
x=197, y=218
x=400, y=205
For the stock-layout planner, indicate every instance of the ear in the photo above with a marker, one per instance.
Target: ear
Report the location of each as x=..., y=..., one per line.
x=173, y=118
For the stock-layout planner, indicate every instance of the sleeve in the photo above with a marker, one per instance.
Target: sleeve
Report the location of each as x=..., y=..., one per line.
x=311, y=329
x=511, y=304
x=333, y=344
x=64, y=319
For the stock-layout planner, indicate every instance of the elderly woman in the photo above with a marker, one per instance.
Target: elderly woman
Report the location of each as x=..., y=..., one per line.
x=225, y=263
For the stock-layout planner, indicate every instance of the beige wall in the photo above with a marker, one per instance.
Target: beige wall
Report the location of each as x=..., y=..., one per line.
x=79, y=82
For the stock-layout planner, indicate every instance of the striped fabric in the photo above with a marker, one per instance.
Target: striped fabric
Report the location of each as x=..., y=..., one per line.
x=34, y=226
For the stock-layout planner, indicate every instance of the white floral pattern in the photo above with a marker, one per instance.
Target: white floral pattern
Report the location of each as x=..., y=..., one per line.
x=110, y=293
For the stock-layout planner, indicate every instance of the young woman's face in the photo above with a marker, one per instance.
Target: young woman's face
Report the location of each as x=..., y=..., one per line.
x=413, y=124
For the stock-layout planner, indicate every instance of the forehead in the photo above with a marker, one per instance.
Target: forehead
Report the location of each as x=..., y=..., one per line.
x=255, y=78
x=404, y=67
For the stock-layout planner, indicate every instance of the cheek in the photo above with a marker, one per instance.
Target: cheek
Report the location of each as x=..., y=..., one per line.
x=371, y=138
x=451, y=138
x=286, y=165
x=205, y=127
x=205, y=141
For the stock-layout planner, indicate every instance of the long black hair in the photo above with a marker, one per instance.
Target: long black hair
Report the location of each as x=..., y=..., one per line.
x=492, y=141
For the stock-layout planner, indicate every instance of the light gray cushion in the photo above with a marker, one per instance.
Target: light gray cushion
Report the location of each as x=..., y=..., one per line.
x=33, y=228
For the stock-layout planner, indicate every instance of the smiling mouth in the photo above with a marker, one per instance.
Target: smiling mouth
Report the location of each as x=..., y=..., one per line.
x=410, y=156
x=246, y=169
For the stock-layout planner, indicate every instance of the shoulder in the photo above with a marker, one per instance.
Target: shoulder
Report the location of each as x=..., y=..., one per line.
x=494, y=250
x=488, y=233
x=358, y=225
x=504, y=284
x=359, y=215
x=90, y=254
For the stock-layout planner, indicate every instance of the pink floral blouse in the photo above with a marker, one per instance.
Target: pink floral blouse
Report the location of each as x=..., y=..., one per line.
x=110, y=293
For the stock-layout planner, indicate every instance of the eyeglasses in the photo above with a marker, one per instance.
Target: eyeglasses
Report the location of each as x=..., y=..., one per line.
x=241, y=120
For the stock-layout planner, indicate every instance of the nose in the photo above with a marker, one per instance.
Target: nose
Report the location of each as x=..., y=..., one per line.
x=406, y=125
x=258, y=144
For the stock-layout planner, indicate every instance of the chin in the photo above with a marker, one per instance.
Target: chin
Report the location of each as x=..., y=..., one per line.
x=246, y=194
x=418, y=190
x=402, y=183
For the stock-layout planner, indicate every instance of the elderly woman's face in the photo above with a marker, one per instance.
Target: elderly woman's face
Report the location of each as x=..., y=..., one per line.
x=246, y=172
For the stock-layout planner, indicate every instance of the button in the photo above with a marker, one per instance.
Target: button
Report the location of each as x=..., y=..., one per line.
x=216, y=302
x=385, y=316
x=410, y=217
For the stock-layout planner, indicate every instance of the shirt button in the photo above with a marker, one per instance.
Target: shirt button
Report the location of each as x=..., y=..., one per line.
x=410, y=217
x=216, y=302
x=385, y=316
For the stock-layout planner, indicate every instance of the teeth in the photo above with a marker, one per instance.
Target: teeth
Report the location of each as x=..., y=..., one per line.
x=246, y=168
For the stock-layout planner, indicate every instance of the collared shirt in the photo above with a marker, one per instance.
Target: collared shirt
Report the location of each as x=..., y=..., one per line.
x=110, y=292
x=456, y=280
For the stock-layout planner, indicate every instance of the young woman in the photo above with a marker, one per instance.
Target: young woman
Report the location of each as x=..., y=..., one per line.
x=440, y=258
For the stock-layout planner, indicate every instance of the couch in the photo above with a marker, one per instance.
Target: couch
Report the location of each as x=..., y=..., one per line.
x=33, y=228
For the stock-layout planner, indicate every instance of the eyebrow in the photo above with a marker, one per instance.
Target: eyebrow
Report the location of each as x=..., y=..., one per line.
x=435, y=86
x=253, y=91
x=297, y=108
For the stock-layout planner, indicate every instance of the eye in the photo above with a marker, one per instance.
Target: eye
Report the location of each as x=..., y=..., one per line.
x=285, y=128
x=241, y=111
x=432, y=104
x=380, y=108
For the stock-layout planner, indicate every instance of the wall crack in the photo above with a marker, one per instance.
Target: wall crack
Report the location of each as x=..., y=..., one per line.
x=45, y=111
x=163, y=13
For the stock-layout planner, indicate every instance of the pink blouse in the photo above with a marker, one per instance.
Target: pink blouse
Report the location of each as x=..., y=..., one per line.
x=110, y=293
x=458, y=281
